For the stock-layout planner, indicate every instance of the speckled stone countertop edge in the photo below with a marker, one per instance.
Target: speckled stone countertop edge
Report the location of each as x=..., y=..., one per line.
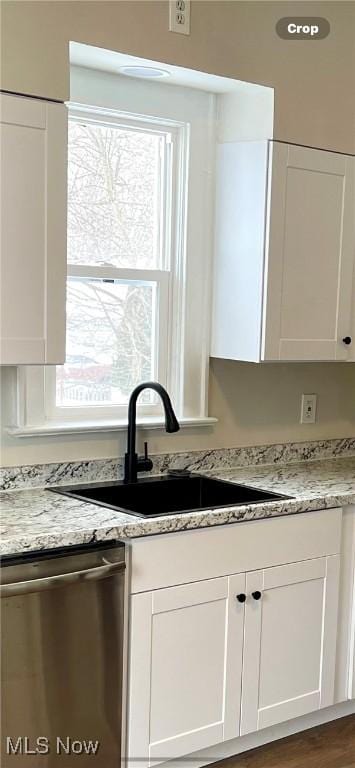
x=38, y=519
x=138, y=528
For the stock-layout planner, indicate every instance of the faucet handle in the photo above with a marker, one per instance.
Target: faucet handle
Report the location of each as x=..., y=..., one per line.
x=144, y=463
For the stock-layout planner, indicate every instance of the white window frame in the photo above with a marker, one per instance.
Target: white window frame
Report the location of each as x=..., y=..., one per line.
x=186, y=297
x=173, y=177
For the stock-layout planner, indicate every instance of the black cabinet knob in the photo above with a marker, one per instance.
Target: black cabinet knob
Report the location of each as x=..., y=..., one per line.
x=256, y=595
x=347, y=340
x=241, y=598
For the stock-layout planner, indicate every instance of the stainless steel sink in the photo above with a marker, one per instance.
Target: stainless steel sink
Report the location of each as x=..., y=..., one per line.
x=165, y=495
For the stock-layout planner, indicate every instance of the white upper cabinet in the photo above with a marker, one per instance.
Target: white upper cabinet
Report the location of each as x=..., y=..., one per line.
x=33, y=230
x=284, y=253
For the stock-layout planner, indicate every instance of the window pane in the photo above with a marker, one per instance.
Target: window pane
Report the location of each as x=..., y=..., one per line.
x=114, y=196
x=110, y=344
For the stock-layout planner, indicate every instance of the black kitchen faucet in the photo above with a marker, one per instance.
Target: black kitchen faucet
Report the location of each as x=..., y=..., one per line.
x=132, y=462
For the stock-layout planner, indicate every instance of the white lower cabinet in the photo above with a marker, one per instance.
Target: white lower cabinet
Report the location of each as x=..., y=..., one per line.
x=290, y=642
x=207, y=665
x=351, y=690
x=349, y=610
x=345, y=668
x=234, y=629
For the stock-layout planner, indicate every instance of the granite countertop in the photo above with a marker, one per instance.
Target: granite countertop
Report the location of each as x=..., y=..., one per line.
x=38, y=519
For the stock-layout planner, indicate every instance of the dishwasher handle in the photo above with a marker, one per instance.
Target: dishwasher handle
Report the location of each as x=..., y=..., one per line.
x=62, y=580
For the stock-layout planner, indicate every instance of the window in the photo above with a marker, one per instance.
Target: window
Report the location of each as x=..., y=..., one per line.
x=140, y=232
x=121, y=216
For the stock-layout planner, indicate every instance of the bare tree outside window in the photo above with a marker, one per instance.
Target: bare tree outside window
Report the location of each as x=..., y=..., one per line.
x=116, y=222
x=109, y=342
x=113, y=196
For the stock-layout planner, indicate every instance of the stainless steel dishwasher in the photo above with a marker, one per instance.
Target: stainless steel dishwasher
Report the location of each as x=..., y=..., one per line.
x=62, y=618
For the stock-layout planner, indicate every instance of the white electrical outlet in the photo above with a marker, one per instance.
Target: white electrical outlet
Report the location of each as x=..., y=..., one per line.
x=308, y=409
x=179, y=16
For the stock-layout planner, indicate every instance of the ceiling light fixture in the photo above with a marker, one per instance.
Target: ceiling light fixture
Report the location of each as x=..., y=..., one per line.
x=141, y=71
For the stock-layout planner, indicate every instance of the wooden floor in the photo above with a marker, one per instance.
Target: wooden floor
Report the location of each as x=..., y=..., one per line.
x=329, y=746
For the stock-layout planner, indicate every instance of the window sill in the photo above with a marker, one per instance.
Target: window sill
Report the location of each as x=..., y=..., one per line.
x=76, y=428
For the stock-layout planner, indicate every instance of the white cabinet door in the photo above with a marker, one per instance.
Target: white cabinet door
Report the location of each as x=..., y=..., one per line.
x=33, y=230
x=284, y=253
x=310, y=254
x=185, y=668
x=290, y=642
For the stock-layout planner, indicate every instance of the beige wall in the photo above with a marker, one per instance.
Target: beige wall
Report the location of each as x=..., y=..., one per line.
x=255, y=404
x=315, y=105
x=314, y=80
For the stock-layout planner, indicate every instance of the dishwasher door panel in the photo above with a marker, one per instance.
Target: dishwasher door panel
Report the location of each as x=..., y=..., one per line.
x=62, y=653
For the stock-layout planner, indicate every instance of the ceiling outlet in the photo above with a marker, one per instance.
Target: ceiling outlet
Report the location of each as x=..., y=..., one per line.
x=179, y=16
